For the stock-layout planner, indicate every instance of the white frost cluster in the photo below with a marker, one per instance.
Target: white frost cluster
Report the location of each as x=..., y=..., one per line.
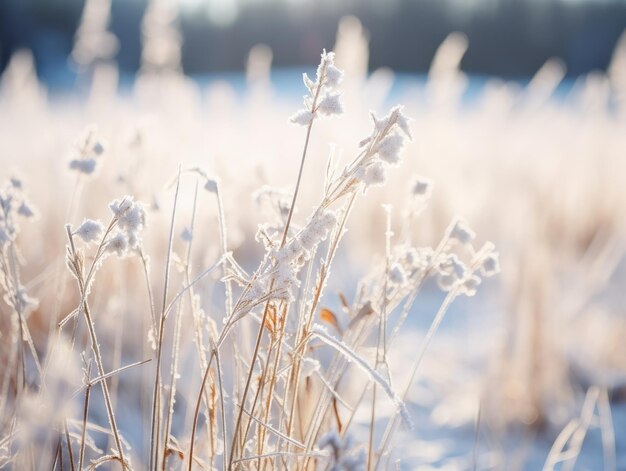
x=452, y=273
x=421, y=187
x=90, y=231
x=323, y=99
x=87, y=150
x=383, y=147
x=462, y=233
x=287, y=262
x=397, y=276
x=291, y=258
x=212, y=184
x=130, y=217
x=490, y=265
x=374, y=174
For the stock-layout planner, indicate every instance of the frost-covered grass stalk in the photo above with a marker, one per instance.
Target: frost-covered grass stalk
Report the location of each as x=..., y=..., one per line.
x=210, y=398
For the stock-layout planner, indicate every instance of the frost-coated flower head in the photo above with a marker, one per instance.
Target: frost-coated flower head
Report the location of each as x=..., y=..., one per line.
x=186, y=235
x=286, y=280
x=212, y=185
x=389, y=148
x=334, y=76
x=374, y=174
x=98, y=148
x=90, y=231
x=490, y=265
x=317, y=229
x=85, y=166
x=322, y=98
x=302, y=117
x=130, y=214
x=396, y=117
x=131, y=219
x=328, y=61
x=330, y=104
x=450, y=270
x=26, y=210
x=421, y=187
x=87, y=150
x=118, y=244
x=470, y=285
x=397, y=275
x=446, y=281
x=402, y=121
x=462, y=233
x=16, y=182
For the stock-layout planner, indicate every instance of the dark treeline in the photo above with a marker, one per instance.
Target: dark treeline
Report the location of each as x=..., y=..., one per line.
x=507, y=37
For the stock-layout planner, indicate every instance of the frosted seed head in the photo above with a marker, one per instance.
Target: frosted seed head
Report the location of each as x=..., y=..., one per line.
x=89, y=231
x=84, y=166
x=211, y=185
x=134, y=240
x=327, y=60
x=411, y=257
x=26, y=210
x=308, y=238
x=470, y=285
x=291, y=252
x=302, y=117
x=445, y=281
x=374, y=174
x=118, y=207
x=490, y=265
x=399, y=118
x=389, y=148
x=462, y=233
x=334, y=76
x=130, y=214
x=421, y=187
x=16, y=183
x=186, y=235
x=118, y=244
x=397, y=275
x=98, y=148
x=327, y=221
x=330, y=104
x=134, y=218
x=286, y=281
